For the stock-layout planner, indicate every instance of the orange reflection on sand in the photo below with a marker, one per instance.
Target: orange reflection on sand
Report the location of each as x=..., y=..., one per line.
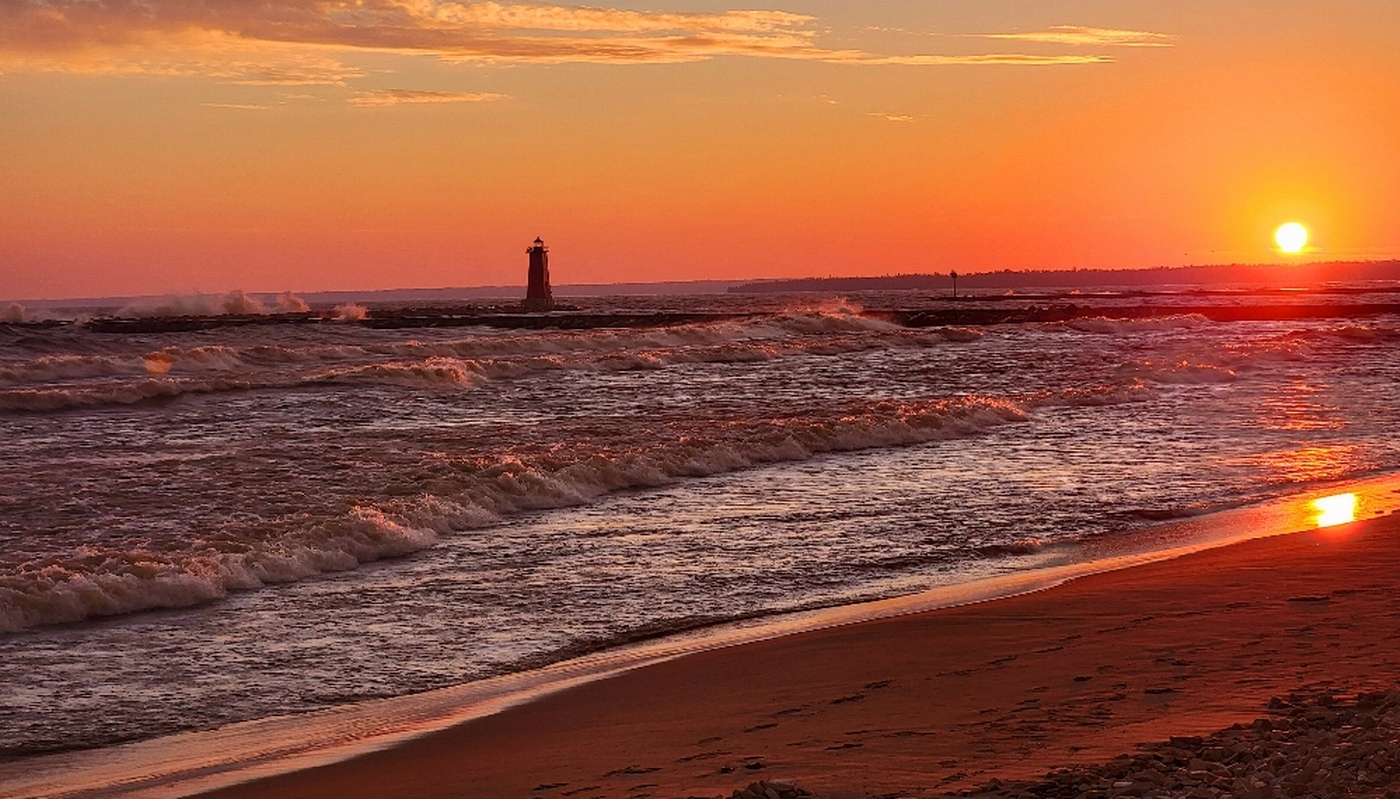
x=1336, y=510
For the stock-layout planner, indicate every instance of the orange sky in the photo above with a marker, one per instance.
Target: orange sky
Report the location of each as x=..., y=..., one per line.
x=195, y=145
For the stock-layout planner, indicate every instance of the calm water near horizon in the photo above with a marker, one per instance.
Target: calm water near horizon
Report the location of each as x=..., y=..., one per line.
x=209, y=527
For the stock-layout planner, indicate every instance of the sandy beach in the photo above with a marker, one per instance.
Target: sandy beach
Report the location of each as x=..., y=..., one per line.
x=926, y=704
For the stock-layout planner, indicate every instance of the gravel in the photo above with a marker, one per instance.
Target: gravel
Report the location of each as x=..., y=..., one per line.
x=1311, y=745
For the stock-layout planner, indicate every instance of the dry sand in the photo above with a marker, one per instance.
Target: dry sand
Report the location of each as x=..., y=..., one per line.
x=923, y=704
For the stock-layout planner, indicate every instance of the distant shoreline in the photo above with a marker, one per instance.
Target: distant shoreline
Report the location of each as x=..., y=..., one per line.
x=1242, y=275
x=1258, y=275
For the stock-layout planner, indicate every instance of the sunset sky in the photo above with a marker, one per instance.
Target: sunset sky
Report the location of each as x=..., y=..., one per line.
x=208, y=145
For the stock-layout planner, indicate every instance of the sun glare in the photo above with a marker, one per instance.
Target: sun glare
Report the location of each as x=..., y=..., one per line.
x=1333, y=511
x=1291, y=237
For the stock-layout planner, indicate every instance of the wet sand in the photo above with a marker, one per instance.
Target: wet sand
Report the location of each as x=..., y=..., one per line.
x=924, y=704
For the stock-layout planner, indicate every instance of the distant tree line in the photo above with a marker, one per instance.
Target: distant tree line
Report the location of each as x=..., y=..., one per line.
x=1274, y=275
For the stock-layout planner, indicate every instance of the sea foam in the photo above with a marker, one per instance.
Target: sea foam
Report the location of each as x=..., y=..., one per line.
x=104, y=583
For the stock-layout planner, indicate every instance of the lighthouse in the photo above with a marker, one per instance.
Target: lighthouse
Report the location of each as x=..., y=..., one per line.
x=538, y=296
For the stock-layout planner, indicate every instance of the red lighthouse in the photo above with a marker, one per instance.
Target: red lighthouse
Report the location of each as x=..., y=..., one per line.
x=538, y=297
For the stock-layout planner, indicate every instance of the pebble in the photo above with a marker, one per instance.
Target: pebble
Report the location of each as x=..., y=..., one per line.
x=1315, y=745
x=772, y=789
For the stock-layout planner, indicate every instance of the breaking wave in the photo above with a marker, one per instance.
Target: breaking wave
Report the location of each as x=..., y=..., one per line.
x=350, y=312
x=230, y=304
x=434, y=373
x=49, y=383
x=953, y=333
x=103, y=583
x=431, y=373
x=96, y=582
x=1376, y=333
x=1100, y=324
x=1178, y=372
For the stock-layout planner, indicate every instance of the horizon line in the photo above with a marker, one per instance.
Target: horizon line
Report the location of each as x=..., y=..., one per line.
x=512, y=287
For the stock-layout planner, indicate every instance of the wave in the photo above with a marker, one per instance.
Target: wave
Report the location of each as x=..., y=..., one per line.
x=961, y=334
x=732, y=340
x=234, y=303
x=1163, y=514
x=56, y=382
x=94, y=583
x=350, y=312
x=48, y=368
x=433, y=373
x=56, y=368
x=59, y=399
x=1349, y=334
x=1026, y=546
x=1100, y=324
x=1301, y=345
x=1134, y=390
x=839, y=320
x=1180, y=372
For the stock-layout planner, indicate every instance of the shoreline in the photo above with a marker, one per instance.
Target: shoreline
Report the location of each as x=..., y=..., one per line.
x=284, y=747
x=922, y=704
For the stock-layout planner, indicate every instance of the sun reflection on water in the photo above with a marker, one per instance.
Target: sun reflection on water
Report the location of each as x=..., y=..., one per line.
x=1311, y=464
x=1335, y=510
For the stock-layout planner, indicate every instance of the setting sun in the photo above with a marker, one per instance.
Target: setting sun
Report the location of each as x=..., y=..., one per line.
x=1291, y=238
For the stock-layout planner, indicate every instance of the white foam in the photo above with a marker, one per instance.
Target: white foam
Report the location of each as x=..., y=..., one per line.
x=233, y=303
x=50, y=383
x=115, y=583
x=94, y=583
x=1183, y=372
x=350, y=312
x=433, y=372
x=1099, y=324
x=287, y=302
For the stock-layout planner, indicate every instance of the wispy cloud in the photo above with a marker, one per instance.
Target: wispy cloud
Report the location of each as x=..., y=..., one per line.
x=238, y=106
x=301, y=42
x=401, y=96
x=215, y=54
x=1078, y=35
x=496, y=16
x=891, y=117
x=1004, y=59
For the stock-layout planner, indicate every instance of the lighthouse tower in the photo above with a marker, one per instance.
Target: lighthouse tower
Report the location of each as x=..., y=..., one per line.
x=538, y=297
